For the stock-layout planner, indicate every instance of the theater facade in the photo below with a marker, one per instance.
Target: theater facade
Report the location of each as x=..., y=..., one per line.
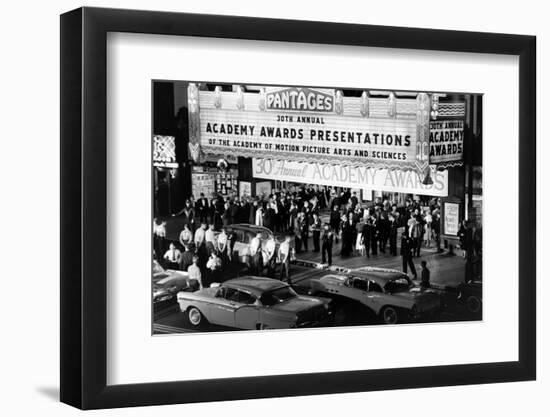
x=248, y=140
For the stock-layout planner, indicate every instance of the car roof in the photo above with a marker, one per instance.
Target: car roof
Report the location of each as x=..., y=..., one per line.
x=255, y=285
x=379, y=275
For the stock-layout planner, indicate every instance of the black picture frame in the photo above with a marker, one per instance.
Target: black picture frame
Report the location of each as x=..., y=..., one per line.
x=84, y=207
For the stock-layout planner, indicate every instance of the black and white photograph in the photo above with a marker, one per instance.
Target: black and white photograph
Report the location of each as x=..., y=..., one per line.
x=297, y=207
x=291, y=208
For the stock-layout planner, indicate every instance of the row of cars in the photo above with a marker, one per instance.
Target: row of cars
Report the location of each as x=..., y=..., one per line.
x=263, y=303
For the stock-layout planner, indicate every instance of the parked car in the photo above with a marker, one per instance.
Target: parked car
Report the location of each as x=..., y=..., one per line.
x=470, y=295
x=167, y=283
x=254, y=303
x=244, y=233
x=388, y=293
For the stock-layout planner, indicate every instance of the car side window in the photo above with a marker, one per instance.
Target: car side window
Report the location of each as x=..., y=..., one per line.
x=374, y=287
x=360, y=285
x=227, y=293
x=245, y=298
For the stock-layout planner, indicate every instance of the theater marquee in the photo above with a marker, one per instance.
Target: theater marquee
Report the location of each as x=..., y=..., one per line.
x=319, y=125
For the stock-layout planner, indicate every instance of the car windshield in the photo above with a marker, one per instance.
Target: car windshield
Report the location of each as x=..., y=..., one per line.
x=277, y=296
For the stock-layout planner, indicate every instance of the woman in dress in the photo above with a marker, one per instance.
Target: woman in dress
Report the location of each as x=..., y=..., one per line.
x=428, y=229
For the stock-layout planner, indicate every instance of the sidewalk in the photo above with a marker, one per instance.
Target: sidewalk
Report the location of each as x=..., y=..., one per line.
x=445, y=269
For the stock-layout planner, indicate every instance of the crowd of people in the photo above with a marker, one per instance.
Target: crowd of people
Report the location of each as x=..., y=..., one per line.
x=363, y=229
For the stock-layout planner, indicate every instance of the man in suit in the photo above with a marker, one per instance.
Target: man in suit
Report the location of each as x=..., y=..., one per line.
x=383, y=231
x=335, y=221
x=374, y=236
x=316, y=231
x=406, y=254
x=303, y=221
x=366, y=236
x=348, y=234
x=392, y=234
x=202, y=206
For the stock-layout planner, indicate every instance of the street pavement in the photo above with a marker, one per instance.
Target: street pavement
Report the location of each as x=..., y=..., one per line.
x=445, y=269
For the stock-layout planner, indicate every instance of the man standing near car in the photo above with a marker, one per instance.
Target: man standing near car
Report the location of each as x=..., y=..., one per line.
x=221, y=245
x=269, y=256
x=210, y=239
x=213, y=266
x=256, y=259
x=195, y=272
x=407, y=254
x=284, y=256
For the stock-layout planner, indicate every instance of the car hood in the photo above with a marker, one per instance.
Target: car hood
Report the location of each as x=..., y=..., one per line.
x=300, y=303
x=173, y=288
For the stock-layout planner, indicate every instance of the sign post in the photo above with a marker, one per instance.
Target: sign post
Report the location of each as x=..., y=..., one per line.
x=452, y=210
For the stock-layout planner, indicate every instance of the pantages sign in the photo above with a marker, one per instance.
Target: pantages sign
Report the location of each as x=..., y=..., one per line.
x=351, y=176
x=319, y=125
x=299, y=99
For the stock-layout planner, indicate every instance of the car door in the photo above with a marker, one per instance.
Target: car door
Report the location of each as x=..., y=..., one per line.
x=247, y=314
x=222, y=308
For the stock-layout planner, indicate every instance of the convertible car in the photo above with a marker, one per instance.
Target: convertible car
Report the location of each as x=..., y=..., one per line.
x=166, y=285
x=244, y=233
x=388, y=293
x=254, y=303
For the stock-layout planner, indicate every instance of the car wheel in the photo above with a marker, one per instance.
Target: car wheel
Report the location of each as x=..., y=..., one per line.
x=473, y=304
x=195, y=316
x=263, y=326
x=389, y=315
